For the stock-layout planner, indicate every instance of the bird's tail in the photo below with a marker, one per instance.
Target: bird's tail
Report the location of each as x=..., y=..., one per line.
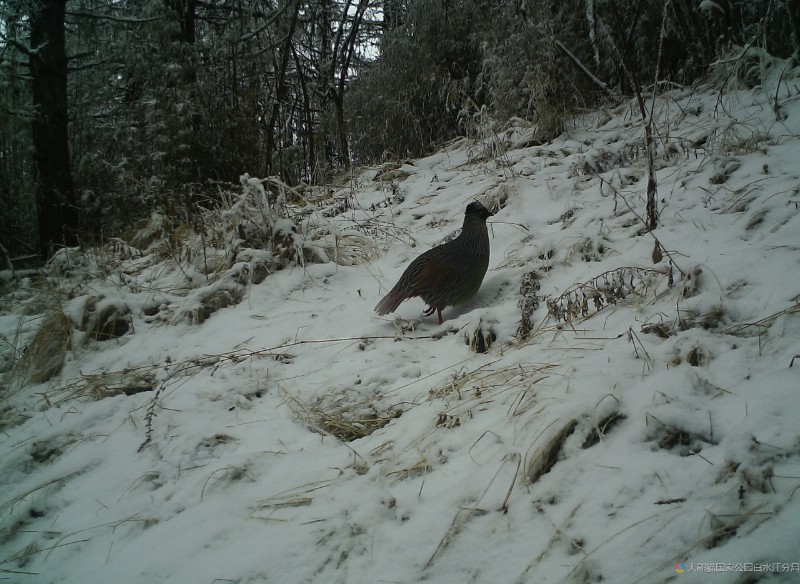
x=390, y=302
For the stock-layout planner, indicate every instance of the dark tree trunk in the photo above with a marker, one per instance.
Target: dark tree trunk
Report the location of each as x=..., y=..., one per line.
x=280, y=90
x=393, y=15
x=185, y=11
x=341, y=126
x=344, y=50
x=56, y=211
x=195, y=163
x=793, y=7
x=307, y=122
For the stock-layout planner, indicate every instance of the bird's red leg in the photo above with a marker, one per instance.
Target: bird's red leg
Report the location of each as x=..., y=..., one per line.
x=439, y=310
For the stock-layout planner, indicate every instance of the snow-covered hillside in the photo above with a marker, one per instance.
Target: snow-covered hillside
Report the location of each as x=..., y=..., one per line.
x=591, y=415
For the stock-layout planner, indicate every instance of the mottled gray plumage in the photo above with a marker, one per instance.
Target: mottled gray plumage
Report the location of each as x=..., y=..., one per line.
x=448, y=274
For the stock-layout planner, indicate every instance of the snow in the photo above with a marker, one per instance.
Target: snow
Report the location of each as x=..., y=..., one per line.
x=228, y=468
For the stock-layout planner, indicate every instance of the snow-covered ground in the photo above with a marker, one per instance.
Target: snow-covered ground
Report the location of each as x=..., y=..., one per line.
x=291, y=435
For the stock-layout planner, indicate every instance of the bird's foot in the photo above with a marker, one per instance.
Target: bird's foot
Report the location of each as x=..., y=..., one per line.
x=431, y=309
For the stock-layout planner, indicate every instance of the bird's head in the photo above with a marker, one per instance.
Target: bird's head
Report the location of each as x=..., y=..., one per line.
x=477, y=209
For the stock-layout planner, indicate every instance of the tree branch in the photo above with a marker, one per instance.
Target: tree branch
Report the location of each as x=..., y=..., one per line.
x=125, y=19
x=602, y=85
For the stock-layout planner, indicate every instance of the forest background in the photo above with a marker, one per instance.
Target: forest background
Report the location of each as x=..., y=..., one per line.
x=113, y=110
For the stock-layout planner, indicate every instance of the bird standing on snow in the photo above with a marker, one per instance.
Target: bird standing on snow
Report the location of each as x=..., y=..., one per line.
x=448, y=274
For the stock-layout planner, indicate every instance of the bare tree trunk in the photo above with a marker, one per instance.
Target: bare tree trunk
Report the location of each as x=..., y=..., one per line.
x=344, y=50
x=793, y=7
x=185, y=10
x=193, y=165
x=341, y=126
x=57, y=214
x=280, y=90
x=307, y=122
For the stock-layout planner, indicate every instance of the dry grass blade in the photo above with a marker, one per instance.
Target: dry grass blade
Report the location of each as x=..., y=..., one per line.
x=465, y=514
x=22, y=557
x=296, y=497
x=289, y=502
x=461, y=518
x=762, y=324
x=609, y=539
x=229, y=474
x=11, y=502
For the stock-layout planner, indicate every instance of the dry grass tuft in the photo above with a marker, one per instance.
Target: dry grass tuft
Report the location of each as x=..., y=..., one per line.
x=481, y=338
x=676, y=439
x=392, y=171
x=723, y=169
x=157, y=228
x=342, y=420
x=44, y=356
x=726, y=526
x=456, y=383
x=602, y=427
x=348, y=249
x=471, y=388
x=421, y=466
x=211, y=301
x=11, y=417
x=110, y=321
x=99, y=386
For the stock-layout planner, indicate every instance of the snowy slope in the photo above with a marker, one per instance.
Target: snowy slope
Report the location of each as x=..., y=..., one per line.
x=294, y=436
